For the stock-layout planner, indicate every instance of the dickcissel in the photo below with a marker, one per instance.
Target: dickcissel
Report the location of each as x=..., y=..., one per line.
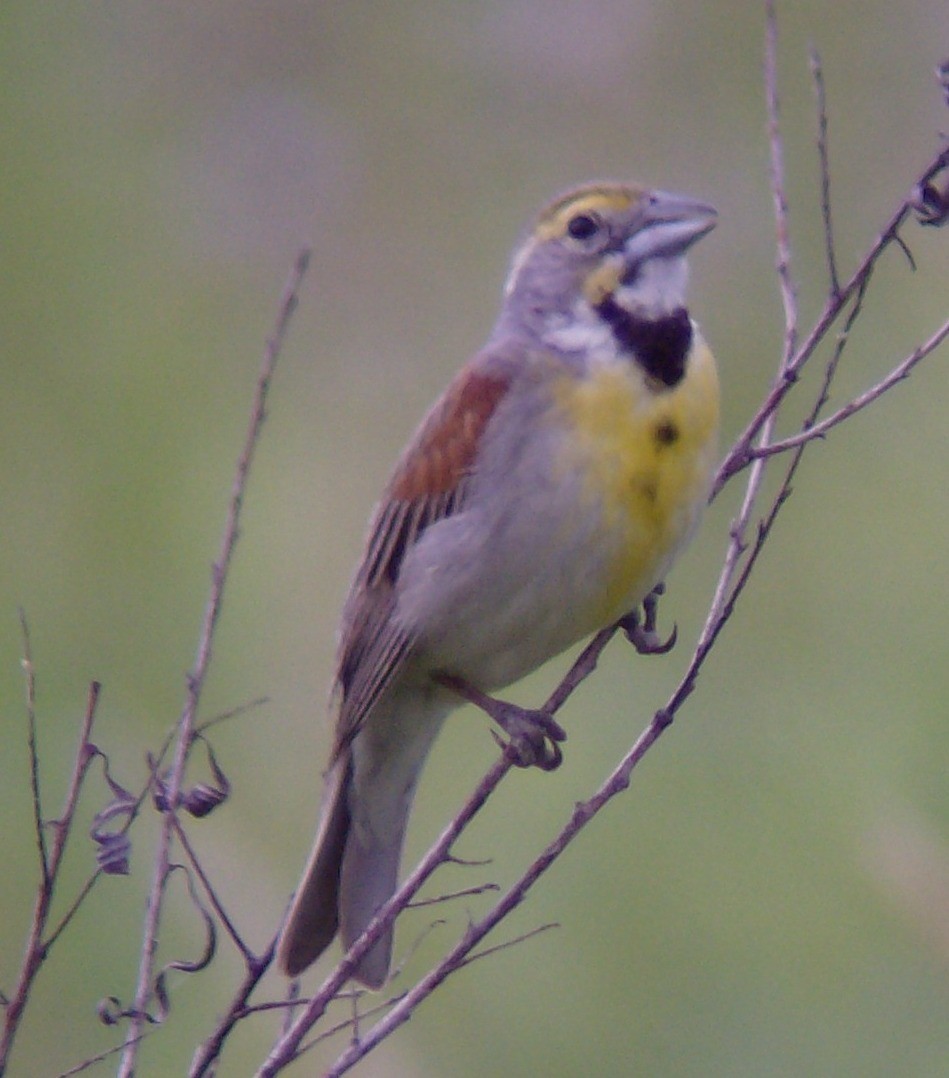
x=542, y=498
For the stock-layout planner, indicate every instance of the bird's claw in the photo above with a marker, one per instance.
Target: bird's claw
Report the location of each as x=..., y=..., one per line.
x=532, y=735
x=648, y=641
x=641, y=630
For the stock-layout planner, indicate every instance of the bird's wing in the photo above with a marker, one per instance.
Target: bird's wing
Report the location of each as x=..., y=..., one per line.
x=430, y=483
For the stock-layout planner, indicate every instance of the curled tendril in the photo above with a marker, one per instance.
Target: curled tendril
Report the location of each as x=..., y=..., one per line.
x=931, y=204
x=182, y=965
x=200, y=799
x=113, y=844
x=110, y=1010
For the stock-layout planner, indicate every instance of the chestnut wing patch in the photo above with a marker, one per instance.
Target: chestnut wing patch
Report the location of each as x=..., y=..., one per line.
x=430, y=479
x=429, y=484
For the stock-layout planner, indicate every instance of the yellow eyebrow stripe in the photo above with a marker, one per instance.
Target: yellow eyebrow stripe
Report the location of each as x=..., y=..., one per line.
x=553, y=220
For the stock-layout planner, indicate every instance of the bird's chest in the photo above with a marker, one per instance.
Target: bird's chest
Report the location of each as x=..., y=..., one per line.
x=640, y=458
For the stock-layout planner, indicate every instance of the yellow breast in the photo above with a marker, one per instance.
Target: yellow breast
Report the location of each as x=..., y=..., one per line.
x=645, y=454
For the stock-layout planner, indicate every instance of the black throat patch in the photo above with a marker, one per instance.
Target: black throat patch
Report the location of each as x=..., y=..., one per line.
x=660, y=345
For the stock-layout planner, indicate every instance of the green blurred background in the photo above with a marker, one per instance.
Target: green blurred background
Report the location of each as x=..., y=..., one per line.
x=772, y=894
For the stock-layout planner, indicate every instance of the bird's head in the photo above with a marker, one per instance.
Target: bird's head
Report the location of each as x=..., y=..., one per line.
x=600, y=256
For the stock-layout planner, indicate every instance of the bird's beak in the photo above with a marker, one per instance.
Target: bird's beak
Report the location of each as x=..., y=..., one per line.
x=670, y=224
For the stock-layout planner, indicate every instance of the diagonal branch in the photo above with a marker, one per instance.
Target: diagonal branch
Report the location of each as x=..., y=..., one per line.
x=740, y=455
x=897, y=374
x=288, y=1045
x=37, y=948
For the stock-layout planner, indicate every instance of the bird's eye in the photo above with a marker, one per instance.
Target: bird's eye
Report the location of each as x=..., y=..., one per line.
x=583, y=226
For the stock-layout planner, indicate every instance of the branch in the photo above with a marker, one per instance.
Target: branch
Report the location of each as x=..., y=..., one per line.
x=30, y=672
x=740, y=455
x=786, y=280
x=762, y=432
x=900, y=372
x=288, y=1045
x=51, y=857
x=458, y=956
x=817, y=73
x=186, y=723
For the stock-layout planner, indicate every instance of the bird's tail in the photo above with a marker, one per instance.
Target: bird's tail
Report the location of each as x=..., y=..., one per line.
x=353, y=869
x=314, y=915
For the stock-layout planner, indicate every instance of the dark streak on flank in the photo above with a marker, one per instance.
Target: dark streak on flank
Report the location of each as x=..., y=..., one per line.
x=666, y=433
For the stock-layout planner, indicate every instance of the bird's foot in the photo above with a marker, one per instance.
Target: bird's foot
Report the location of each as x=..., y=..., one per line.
x=640, y=629
x=533, y=736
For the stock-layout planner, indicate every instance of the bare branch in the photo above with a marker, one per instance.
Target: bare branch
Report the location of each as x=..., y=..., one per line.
x=763, y=431
x=86, y=1064
x=817, y=73
x=186, y=724
x=209, y=1051
x=450, y=896
x=897, y=374
x=209, y=890
x=30, y=673
x=740, y=455
x=51, y=857
x=778, y=193
x=287, y=1046
x=350, y=1023
x=231, y=713
x=507, y=944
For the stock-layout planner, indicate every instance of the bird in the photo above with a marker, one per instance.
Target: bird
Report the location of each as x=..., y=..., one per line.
x=542, y=498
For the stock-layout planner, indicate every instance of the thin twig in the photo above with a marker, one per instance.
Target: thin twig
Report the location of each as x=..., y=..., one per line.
x=186, y=723
x=505, y=945
x=231, y=713
x=740, y=454
x=229, y=926
x=778, y=192
x=39, y=830
x=92, y=1061
x=737, y=543
x=857, y=404
x=823, y=157
x=209, y=1051
x=350, y=1023
x=840, y=345
x=450, y=896
x=66, y=919
x=37, y=948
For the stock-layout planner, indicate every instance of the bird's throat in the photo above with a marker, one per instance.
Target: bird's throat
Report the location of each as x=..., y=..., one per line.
x=659, y=345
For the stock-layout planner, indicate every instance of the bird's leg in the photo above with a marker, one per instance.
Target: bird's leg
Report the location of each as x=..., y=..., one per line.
x=641, y=630
x=533, y=735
